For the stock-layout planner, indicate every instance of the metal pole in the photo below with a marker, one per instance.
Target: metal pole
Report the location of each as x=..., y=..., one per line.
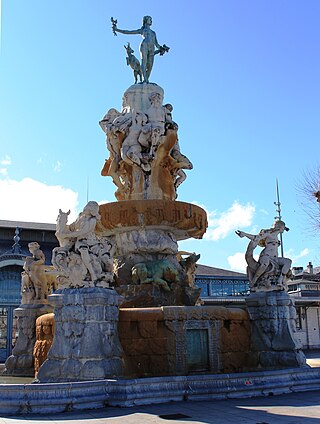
x=87, y=188
x=278, y=210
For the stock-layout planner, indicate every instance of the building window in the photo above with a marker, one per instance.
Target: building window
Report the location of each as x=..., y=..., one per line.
x=10, y=285
x=204, y=289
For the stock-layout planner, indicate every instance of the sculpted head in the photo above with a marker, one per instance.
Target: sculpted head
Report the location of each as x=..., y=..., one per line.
x=155, y=99
x=147, y=20
x=111, y=115
x=33, y=246
x=92, y=208
x=280, y=226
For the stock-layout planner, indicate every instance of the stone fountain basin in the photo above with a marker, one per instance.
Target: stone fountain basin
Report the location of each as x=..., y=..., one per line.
x=9, y=379
x=59, y=397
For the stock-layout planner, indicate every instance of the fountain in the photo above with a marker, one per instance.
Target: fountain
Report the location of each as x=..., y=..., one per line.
x=129, y=328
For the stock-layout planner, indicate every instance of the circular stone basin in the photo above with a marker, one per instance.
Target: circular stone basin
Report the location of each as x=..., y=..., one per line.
x=183, y=219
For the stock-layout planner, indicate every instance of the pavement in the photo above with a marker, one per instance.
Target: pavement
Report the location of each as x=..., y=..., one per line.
x=293, y=408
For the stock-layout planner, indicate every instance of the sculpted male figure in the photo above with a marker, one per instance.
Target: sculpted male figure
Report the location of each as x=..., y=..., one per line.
x=82, y=230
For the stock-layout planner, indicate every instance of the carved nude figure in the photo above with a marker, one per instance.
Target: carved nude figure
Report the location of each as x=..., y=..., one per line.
x=131, y=147
x=268, y=261
x=113, y=145
x=147, y=46
x=34, y=285
x=156, y=112
x=82, y=232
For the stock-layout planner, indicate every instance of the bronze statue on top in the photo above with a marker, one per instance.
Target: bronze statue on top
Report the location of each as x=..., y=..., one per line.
x=147, y=46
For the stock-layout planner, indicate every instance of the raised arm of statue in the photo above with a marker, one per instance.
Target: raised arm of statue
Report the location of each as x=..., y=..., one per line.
x=128, y=31
x=115, y=29
x=243, y=234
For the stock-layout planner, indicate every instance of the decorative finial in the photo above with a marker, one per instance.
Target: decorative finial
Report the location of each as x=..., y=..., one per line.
x=16, y=248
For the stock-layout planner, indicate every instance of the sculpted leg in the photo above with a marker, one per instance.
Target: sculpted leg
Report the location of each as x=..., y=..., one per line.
x=261, y=270
x=85, y=256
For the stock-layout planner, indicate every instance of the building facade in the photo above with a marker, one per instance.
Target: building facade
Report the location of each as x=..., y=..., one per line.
x=305, y=288
x=221, y=285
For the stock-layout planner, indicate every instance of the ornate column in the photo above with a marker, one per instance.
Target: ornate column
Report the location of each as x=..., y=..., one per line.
x=37, y=281
x=85, y=344
x=271, y=309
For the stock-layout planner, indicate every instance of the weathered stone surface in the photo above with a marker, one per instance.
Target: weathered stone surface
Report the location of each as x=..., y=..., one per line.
x=144, y=295
x=235, y=336
x=147, y=328
x=184, y=220
x=145, y=159
x=273, y=330
x=83, y=258
x=60, y=397
x=234, y=361
x=85, y=345
x=21, y=362
x=155, y=339
x=143, y=314
x=44, y=338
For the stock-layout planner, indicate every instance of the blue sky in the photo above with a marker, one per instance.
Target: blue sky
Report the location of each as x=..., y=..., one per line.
x=243, y=78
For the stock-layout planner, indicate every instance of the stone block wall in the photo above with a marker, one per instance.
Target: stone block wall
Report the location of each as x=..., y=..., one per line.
x=181, y=340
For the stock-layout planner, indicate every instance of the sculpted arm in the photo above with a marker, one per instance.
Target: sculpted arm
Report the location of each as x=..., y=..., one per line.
x=128, y=31
x=243, y=234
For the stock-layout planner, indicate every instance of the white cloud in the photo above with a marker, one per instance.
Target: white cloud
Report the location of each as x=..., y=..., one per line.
x=34, y=201
x=5, y=161
x=3, y=171
x=237, y=262
x=296, y=257
x=220, y=225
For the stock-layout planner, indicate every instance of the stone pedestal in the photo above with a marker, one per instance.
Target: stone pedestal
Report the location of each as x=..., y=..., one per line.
x=273, y=328
x=86, y=344
x=21, y=361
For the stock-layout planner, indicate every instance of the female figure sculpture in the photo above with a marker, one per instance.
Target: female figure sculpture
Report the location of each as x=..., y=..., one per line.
x=147, y=46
